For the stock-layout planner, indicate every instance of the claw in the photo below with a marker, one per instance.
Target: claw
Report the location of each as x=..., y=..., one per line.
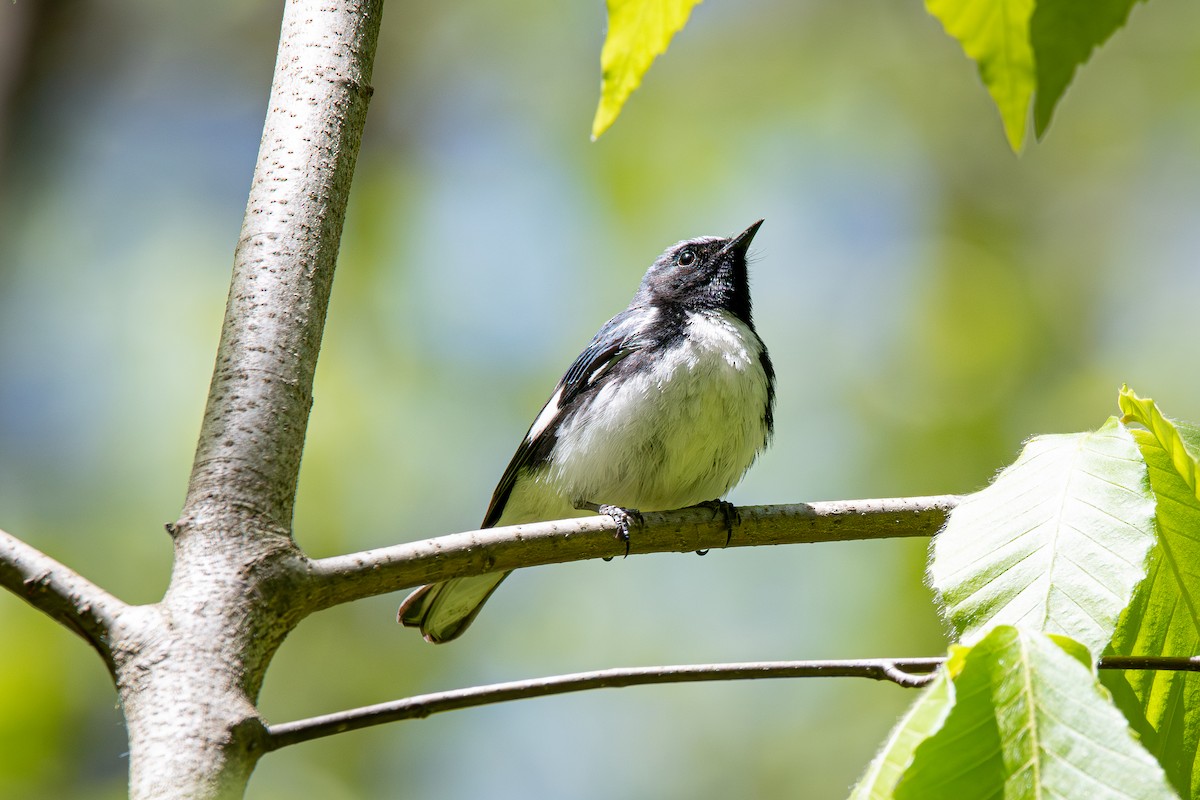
x=623, y=517
x=728, y=512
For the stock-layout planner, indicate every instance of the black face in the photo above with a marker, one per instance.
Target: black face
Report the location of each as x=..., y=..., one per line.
x=704, y=273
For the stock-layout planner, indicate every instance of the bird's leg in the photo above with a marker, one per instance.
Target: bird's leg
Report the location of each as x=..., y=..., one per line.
x=729, y=514
x=622, y=516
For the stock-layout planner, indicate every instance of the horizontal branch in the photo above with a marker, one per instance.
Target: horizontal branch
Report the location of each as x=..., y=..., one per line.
x=906, y=672
x=1161, y=663
x=910, y=673
x=60, y=592
x=341, y=579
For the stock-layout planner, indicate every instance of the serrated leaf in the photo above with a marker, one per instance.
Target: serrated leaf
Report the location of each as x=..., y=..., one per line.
x=995, y=35
x=1180, y=441
x=638, y=32
x=1031, y=721
x=1163, y=619
x=924, y=717
x=1057, y=542
x=1027, y=49
x=1063, y=34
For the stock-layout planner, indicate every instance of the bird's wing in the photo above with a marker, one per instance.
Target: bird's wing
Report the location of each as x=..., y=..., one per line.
x=616, y=340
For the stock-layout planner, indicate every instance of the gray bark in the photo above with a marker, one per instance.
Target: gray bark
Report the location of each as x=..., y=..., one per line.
x=189, y=669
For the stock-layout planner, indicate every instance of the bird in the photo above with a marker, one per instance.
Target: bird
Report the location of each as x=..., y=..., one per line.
x=667, y=407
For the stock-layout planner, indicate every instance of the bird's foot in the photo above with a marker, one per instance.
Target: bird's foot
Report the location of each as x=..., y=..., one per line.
x=729, y=514
x=624, y=517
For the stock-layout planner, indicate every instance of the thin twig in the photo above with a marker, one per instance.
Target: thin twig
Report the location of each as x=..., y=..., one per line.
x=341, y=579
x=60, y=592
x=906, y=672
x=423, y=705
x=1162, y=663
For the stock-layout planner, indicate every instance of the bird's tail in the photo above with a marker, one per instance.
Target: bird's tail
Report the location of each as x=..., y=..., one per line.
x=444, y=610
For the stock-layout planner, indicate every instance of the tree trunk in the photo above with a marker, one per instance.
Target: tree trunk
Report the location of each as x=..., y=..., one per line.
x=189, y=669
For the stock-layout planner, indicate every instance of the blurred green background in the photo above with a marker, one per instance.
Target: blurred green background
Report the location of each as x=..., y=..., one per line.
x=929, y=300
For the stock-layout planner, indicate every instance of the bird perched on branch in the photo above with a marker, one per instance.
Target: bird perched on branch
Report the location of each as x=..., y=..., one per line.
x=667, y=407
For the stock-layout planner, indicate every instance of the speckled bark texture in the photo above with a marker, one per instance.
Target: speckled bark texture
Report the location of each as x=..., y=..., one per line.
x=190, y=668
x=261, y=392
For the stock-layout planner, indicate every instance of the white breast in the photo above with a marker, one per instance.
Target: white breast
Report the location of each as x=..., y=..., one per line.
x=680, y=433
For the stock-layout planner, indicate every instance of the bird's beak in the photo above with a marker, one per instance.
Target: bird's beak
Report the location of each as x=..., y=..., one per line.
x=741, y=242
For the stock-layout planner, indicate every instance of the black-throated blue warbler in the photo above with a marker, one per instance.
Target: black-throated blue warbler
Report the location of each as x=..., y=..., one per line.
x=667, y=407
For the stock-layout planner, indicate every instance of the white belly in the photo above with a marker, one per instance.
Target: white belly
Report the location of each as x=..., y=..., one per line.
x=675, y=435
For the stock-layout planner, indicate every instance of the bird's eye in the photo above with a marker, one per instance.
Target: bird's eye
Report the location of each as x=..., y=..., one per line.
x=686, y=258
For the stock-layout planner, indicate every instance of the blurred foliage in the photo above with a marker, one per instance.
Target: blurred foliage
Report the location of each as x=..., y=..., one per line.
x=929, y=300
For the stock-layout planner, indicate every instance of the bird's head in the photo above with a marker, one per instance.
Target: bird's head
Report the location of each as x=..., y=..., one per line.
x=705, y=273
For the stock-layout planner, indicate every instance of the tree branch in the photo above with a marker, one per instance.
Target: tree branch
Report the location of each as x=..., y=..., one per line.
x=63, y=594
x=906, y=672
x=341, y=579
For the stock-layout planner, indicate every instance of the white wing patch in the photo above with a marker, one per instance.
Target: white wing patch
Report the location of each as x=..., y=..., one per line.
x=549, y=412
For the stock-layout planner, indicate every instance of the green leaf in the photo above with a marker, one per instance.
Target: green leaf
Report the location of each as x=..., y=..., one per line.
x=925, y=717
x=1063, y=34
x=1029, y=48
x=638, y=32
x=1057, y=542
x=1031, y=721
x=995, y=35
x=1163, y=619
x=1181, y=441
